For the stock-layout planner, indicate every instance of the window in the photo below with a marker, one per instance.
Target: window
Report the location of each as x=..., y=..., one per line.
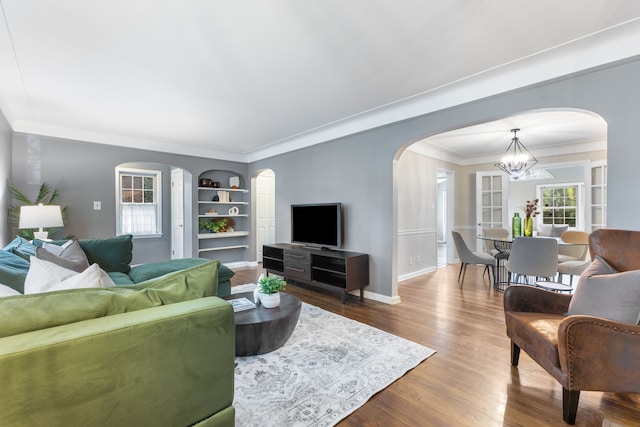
x=139, y=206
x=561, y=204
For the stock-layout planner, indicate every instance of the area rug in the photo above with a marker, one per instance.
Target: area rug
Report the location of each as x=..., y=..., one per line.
x=330, y=367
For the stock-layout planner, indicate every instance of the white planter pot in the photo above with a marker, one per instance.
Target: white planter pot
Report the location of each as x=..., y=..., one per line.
x=270, y=301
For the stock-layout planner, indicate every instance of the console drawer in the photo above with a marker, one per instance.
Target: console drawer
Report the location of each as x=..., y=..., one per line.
x=297, y=270
x=297, y=256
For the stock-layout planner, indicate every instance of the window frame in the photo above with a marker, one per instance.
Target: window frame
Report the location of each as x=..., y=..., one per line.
x=157, y=191
x=580, y=202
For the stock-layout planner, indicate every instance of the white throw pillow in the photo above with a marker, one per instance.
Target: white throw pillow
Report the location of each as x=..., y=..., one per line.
x=6, y=291
x=45, y=276
x=92, y=277
x=42, y=275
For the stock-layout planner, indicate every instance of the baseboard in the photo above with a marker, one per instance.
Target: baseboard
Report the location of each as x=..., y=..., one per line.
x=377, y=297
x=413, y=274
x=241, y=264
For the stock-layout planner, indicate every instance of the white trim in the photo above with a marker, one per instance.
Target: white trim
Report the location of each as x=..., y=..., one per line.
x=413, y=274
x=157, y=174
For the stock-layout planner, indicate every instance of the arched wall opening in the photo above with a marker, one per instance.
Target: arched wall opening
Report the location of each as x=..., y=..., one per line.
x=565, y=140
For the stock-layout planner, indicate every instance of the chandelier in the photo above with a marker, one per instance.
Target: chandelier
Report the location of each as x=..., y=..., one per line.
x=516, y=159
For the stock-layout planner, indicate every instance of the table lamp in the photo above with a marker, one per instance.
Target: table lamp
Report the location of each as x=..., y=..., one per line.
x=40, y=216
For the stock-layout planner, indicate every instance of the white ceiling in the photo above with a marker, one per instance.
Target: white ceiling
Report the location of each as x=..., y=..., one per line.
x=246, y=79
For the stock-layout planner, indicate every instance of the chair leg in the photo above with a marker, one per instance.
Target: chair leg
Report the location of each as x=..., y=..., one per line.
x=464, y=273
x=570, y=405
x=460, y=273
x=515, y=354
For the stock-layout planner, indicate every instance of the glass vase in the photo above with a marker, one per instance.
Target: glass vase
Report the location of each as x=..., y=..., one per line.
x=527, y=226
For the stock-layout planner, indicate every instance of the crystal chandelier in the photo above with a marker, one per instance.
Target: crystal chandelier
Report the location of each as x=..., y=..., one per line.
x=516, y=159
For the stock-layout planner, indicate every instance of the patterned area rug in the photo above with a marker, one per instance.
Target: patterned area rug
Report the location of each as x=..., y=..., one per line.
x=330, y=367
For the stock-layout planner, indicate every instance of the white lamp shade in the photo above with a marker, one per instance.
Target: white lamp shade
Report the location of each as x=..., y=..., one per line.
x=39, y=216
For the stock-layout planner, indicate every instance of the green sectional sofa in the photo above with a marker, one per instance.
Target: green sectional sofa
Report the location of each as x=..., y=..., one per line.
x=160, y=353
x=112, y=254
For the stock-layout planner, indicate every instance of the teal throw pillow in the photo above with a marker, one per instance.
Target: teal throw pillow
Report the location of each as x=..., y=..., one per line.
x=110, y=253
x=13, y=270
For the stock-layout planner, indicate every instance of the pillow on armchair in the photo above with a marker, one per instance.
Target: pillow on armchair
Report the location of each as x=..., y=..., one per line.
x=603, y=292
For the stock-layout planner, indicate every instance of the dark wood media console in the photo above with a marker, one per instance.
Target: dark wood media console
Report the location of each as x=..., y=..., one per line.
x=329, y=269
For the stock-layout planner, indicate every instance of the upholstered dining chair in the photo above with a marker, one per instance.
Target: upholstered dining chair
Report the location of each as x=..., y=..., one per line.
x=535, y=257
x=468, y=257
x=577, y=248
x=489, y=246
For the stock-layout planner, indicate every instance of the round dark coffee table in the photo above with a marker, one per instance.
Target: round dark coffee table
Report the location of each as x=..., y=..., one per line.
x=261, y=330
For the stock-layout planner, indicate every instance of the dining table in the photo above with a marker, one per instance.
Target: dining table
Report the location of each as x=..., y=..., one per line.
x=503, y=246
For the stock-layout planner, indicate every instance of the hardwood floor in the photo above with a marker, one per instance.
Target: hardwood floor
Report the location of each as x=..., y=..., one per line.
x=469, y=381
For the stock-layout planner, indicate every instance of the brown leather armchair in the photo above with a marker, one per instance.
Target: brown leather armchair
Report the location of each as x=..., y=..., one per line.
x=580, y=352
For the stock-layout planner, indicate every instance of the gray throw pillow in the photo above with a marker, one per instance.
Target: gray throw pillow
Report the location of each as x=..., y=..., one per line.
x=602, y=292
x=557, y=230
x=71, y=257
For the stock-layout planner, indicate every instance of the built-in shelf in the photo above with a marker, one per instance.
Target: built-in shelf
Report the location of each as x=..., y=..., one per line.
x=205, y=202
x=233, y=205
x=223, y=248
x=222, y=216
x=239, y=190
x=204, y=236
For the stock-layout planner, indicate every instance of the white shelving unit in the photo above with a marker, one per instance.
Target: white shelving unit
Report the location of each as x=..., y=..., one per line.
x=221, y=244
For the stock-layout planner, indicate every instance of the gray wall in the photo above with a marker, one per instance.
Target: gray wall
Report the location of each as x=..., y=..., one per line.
x=5, y=176
x=86, y=172
x=358, y=170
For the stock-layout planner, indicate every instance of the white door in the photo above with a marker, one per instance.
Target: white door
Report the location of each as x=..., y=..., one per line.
x=598, y=195
x=177, y=213
x=492, y=202
x=265, y=210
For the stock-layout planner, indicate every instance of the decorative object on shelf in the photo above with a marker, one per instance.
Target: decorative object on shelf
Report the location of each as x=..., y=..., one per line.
x=234, y=210
x=205, y=182
x=234, y=182
x=215, y=184
x=516, y=225
x=516, y=159
x=212, y=211
x=221, y=225
x=270, y=287
x=223, y=196
x=530, y=211
x=216, y=198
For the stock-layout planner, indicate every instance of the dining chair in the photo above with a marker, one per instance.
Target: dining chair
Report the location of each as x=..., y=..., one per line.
x=572, y=268
x=535, y=257
x=498, y=233
x=575, y=249
x=468, y=257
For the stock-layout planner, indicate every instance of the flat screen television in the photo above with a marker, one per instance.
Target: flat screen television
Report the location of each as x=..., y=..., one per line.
x=317, y=225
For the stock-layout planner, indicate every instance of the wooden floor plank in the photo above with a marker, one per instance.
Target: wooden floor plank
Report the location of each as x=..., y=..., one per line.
x=469, y=381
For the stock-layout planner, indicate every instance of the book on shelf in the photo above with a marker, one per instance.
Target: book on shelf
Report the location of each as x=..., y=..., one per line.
x=240, y=304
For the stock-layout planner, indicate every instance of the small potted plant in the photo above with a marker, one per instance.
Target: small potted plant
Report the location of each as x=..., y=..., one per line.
x=269, y=289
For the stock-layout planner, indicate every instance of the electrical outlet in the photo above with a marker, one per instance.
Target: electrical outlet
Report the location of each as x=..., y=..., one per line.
x=97, y=206
x=410, y=260
x=418, y=259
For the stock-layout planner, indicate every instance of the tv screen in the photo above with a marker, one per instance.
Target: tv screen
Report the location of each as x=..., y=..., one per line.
x=317, y=225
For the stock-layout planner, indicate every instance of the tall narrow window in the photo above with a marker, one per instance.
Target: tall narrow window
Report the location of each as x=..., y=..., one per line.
x=139, y=207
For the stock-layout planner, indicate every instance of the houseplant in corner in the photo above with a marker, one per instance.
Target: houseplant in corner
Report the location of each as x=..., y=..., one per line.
x=269, y=289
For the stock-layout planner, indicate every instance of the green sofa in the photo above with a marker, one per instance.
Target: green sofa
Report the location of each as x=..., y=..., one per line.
x=112, y=254
x=157, y=353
